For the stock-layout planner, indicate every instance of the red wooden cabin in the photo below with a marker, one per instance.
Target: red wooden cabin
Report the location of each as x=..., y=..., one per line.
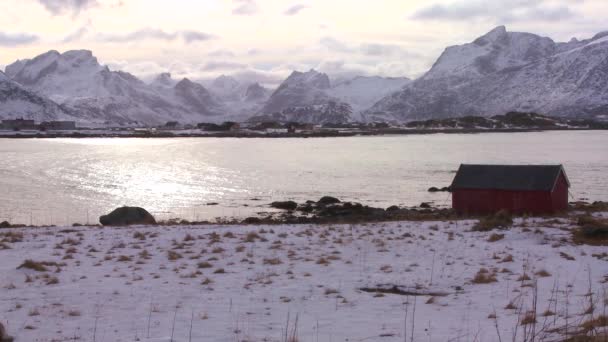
x=519, y=189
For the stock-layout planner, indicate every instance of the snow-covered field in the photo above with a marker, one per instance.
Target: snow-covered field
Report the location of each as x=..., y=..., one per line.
x=251, y=283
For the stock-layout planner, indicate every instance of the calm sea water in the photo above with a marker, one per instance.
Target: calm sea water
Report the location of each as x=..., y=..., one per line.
x=62, y=181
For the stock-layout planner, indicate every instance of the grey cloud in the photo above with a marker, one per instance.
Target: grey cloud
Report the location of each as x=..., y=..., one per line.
x=15, y=39
x=195, y=36
x=214, y=66
x=375, y=49
x=221, y=53
x=502, y=11
x=245, y=7
x=155, y=34
x=335, y=45
x=372, y=50
x=62, y=6
x=295, y=9
x=76, y=35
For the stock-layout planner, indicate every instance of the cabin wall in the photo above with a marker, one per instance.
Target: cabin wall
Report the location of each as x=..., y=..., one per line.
x=475, y=201
x=559, y=196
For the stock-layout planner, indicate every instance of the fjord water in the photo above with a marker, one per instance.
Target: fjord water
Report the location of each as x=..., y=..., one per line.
x=62, y=181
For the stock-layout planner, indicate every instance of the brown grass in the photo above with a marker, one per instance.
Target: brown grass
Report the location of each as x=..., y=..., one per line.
x=591, y=231
x=173, y=255
x=500, y=220
x=273, y=261
x=496, y=237
x=204, y=264
x=484, y=276
x=39, y=266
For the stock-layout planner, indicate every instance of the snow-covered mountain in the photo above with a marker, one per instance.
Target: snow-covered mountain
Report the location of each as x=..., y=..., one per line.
x=240, y=100
x=362, y=92
x=163, y=81
x=496, y=73
x=93, y=92
x=18, y=102
x=304, y=97
x=506, y=71
x=226, y=88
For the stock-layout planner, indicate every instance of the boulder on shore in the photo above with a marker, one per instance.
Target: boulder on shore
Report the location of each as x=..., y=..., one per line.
x=127, y=216
x=285, y=205
x=436, y=189
x=252, y=220
x=328, y=200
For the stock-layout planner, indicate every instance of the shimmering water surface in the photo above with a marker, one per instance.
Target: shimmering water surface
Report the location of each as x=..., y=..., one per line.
x=62, y=181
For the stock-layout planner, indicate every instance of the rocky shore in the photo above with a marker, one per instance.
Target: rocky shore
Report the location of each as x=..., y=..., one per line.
x=326, y=210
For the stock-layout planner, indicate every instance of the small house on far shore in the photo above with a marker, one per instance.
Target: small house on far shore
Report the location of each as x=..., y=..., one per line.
x=519, y=189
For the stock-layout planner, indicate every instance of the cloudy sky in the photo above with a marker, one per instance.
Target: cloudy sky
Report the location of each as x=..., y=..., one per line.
x=266, y=39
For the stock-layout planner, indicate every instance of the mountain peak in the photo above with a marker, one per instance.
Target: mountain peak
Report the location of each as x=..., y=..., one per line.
x=255, y=92
x=497, y=34
x=225, y=82
x=600, y=35
x=310, y=78
x=184, y=81
x=497, y=31
x=163, y=80
x=80, y=57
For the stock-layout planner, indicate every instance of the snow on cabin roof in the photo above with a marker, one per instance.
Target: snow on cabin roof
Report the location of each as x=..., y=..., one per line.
x=508, y=177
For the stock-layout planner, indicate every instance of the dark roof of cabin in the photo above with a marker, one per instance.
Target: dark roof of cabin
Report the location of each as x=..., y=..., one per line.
x=508, y=177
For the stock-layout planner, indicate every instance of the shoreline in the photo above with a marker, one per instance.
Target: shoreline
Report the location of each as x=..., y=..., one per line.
x=322, y=134
x=335, y=213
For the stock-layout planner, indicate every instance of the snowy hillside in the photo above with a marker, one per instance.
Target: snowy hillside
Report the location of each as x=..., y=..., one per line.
x=363, y=92
x=496, y=73
x=304, y=97
x=506, y=71
x=241, y=100
x=389, y=282
x=17, y=102
x=76, y=80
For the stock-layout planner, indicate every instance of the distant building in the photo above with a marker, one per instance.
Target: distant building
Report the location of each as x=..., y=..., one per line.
x=18, y=124
x=276, y=130
x=58, y=126
x=226, y=126
x=519, y=189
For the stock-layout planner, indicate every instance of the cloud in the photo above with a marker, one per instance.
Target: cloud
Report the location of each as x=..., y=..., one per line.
x=221, y=53
x=77, y=35
x=372, y=50
x=195, y=36
x=295, y=9
x=188, y=36
x=57, y=7
x=335, y=45
x=245, y=7
x=16, y=39
x=376, y=49
x=502, y=11
x=215, y=66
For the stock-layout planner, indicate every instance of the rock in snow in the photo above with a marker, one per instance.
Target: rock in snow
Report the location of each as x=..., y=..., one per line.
x=125, y=216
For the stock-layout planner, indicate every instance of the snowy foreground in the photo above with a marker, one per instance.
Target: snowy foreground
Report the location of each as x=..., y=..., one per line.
x=252, y=283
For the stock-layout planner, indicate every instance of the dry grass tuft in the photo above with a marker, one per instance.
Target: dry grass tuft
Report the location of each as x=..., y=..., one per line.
x=591, y=231
x=500, y=220
x=273, y=261
x=173, y=255
x=496, y=237
x=484, y=276
x=543, y=273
